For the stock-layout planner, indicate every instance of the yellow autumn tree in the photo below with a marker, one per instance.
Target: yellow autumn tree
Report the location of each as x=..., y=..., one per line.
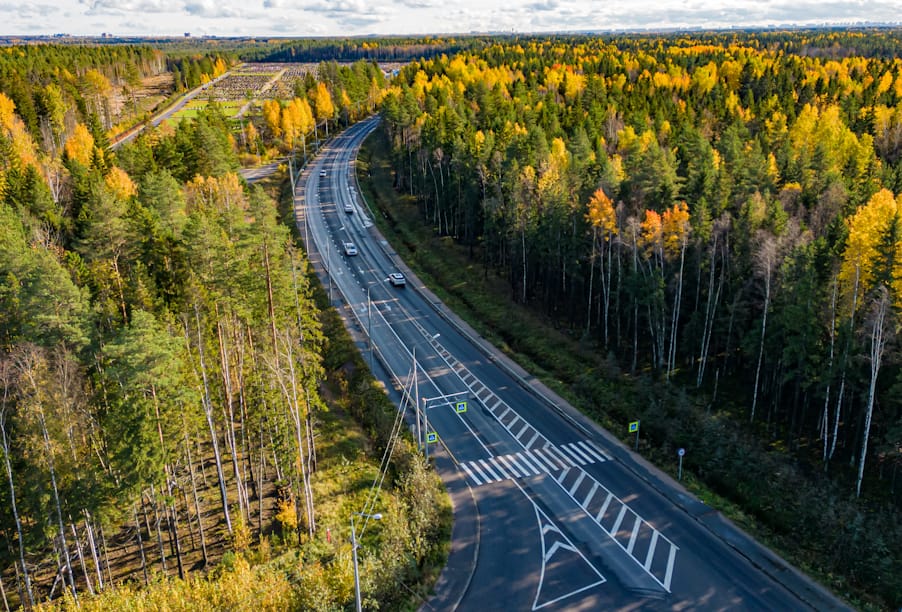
x=323, y=106
x=212, y=193
x=272, y=116
x=675, y=229
x=80, y=145
x=120, y=183
x=601, y=214
x=874, y=241
x=14, y=129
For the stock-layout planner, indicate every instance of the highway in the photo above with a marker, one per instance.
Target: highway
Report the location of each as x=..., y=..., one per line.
x=551, y=512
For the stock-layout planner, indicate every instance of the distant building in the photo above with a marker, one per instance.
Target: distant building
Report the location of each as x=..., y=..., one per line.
x=187, y=34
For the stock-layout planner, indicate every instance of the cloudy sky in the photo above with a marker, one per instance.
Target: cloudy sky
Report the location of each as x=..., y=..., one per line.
x=360, y=17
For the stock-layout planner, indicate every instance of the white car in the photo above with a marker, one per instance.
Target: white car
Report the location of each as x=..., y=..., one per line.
x=322, y=174
x=349, y=208
x=397, y=279
x=350, y=249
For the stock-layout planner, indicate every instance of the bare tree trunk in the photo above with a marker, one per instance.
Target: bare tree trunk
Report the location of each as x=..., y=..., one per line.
x=156, y=523
x=141, y=543
x=197, y=512
x=879, y=337
x=98, y=568
x=208, y=410
x=12, y=486
x=81, y=557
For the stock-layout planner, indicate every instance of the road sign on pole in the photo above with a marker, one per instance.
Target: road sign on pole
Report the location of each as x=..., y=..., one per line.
x=431, y=437
x=680, y=453
x=460, y=407
x=634, y=428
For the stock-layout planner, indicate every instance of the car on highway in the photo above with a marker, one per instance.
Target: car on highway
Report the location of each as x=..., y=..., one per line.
x=322, y=174
x=349, y=208
x=397, y=279
x=350, y=249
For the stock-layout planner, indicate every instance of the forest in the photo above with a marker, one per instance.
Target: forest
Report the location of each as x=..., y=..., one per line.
x=718, y=213
x=176, y=396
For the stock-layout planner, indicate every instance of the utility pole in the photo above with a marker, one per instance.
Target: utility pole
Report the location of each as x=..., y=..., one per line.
x=354, y=547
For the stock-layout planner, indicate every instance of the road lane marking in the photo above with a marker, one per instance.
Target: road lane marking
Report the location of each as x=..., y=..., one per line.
x=619, y=520
x=670, y=558
x=604, y=508
x=470, y=474
x=636, y=525
x=567, y=451
x=591, y=494
x=574, y=450
x=510, y=468
x=579, y=481
x=651, y=550
x=531, y=463
x=529, y=444
x=525, y=427
x=489, y=469
x=476, y=467
x=594, y=452
x=556, y=452
x=527, y=471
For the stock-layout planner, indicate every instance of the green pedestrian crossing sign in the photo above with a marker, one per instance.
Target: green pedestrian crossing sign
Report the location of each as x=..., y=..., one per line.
x=634, y=426
x=460, y=407
x=431, y=437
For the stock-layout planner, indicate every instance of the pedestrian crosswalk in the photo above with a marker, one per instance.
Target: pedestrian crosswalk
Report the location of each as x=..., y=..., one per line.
x=546, y=460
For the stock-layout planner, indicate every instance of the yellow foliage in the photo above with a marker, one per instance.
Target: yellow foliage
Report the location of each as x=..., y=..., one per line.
x=80, y=145
x=868, y=229
x=675, y=228
x=215, y=193
x=601, y=214
x=120, y=183
x=650, y=231
x=272, y=116
x=13, y=128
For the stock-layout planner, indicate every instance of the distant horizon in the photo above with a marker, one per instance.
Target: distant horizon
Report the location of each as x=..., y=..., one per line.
x=358, y=18
x=439, y=35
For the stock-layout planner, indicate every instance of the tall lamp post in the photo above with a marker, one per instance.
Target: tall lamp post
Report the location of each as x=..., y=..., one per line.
x=354, y=546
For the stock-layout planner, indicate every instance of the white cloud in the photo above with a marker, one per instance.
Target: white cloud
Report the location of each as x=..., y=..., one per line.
x=350, y=17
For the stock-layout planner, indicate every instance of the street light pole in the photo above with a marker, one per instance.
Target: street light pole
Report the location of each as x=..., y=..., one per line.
x=369, y=324
x=354, y=545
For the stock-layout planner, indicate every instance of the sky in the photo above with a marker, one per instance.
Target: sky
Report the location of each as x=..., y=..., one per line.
x=362, y=17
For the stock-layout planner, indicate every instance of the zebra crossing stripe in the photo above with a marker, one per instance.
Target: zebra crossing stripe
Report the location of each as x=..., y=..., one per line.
x=474, y=465
x=510, y=468
x=592, y=451
x=470, y=474
x=489, y=469
x=557, y=454
x=526, y=470
x=567, y=451
x=525, y=427
x=574, y=450
x=550, y=459
x=530, y=463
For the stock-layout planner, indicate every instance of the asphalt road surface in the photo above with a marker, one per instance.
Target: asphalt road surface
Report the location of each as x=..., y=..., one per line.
x=551, y=512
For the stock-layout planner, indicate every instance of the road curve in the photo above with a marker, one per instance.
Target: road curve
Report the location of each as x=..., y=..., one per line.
x=551, y=511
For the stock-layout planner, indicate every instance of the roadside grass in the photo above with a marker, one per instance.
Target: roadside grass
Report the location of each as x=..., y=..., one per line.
x=726, y=467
